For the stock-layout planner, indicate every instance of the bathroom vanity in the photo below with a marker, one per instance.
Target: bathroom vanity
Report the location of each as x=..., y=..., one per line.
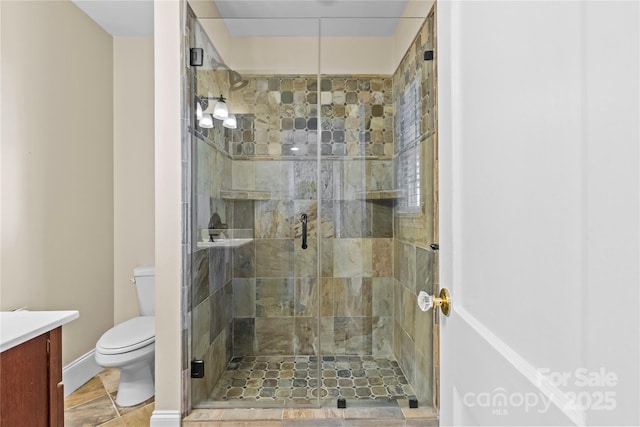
x=31, y=389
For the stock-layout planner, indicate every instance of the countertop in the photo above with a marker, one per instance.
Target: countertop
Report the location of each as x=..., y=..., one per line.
x=17, y=327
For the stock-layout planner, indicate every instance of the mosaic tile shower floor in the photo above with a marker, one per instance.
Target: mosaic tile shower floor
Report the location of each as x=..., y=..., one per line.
x=294, y=379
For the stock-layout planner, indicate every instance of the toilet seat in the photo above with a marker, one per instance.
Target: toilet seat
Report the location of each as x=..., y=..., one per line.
x=128, y=336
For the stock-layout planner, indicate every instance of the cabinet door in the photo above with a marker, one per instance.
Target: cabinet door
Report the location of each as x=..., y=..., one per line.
x=24, y=389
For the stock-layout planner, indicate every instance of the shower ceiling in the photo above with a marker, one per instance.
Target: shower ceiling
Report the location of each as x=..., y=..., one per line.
x=346, y=18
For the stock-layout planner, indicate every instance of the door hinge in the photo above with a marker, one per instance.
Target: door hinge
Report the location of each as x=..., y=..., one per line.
x=196, y=56
x=197, y=369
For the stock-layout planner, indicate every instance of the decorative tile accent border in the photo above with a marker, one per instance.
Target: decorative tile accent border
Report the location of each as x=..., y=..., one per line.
x=279, y=117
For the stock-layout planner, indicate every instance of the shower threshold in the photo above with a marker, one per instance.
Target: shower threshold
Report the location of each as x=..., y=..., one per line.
x=293, y=380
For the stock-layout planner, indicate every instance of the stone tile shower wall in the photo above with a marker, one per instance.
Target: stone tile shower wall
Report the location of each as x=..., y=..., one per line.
x=275, y=285
x=212, y=286
x=415, y=262
x=209, y=297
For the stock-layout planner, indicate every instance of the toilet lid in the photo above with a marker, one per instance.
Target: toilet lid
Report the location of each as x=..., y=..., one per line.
x=128, y=336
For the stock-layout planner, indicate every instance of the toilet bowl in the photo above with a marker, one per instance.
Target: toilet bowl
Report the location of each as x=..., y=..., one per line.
x=130, y=346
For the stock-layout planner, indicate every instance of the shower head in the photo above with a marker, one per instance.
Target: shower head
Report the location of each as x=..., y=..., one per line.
x=236, y=81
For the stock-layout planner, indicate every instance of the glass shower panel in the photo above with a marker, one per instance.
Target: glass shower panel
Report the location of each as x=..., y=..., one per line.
x=255, y=288
x=415, y=215
x=377, y=145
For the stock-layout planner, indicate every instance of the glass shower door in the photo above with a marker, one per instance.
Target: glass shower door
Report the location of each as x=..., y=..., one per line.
x=377, y=144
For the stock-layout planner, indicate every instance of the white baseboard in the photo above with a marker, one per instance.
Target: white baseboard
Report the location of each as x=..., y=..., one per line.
x=79, y=372
x=165, y=419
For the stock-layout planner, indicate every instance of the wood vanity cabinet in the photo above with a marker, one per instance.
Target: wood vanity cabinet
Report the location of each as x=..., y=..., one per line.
x=31, y=390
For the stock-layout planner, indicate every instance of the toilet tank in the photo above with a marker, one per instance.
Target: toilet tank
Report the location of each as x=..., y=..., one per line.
x=145, y=280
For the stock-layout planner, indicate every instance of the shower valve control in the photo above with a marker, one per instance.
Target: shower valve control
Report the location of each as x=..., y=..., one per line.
x=303, y=219
x=426, y=301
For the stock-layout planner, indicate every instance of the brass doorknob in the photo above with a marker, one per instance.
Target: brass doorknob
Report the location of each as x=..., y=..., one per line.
x=426, y=301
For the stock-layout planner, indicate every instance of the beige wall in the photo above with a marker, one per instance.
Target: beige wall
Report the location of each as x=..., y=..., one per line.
x=1, y=169
x=168, y=255
x=57, y=167
x=299, y=55
x=133, y=202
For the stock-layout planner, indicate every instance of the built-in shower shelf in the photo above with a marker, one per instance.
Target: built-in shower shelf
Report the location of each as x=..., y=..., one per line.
x=224, y=243
x=245, y=195
x=381, y=194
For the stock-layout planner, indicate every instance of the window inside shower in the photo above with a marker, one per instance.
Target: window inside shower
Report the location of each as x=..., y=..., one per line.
x=310, y=217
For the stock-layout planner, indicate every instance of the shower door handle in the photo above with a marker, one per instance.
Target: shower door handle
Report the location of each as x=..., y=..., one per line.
x=426, y=301
x=303, y=218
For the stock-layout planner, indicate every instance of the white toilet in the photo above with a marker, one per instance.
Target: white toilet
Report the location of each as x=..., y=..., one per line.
x=130, y=346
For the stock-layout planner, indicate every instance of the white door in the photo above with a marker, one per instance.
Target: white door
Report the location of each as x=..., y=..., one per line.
x=539, y=195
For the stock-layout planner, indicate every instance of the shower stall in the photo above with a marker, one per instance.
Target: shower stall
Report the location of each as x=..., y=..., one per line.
x=310, y=218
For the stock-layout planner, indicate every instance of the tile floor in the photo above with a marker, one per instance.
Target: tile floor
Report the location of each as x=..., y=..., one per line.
x=94, y=405
x=294, y=379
